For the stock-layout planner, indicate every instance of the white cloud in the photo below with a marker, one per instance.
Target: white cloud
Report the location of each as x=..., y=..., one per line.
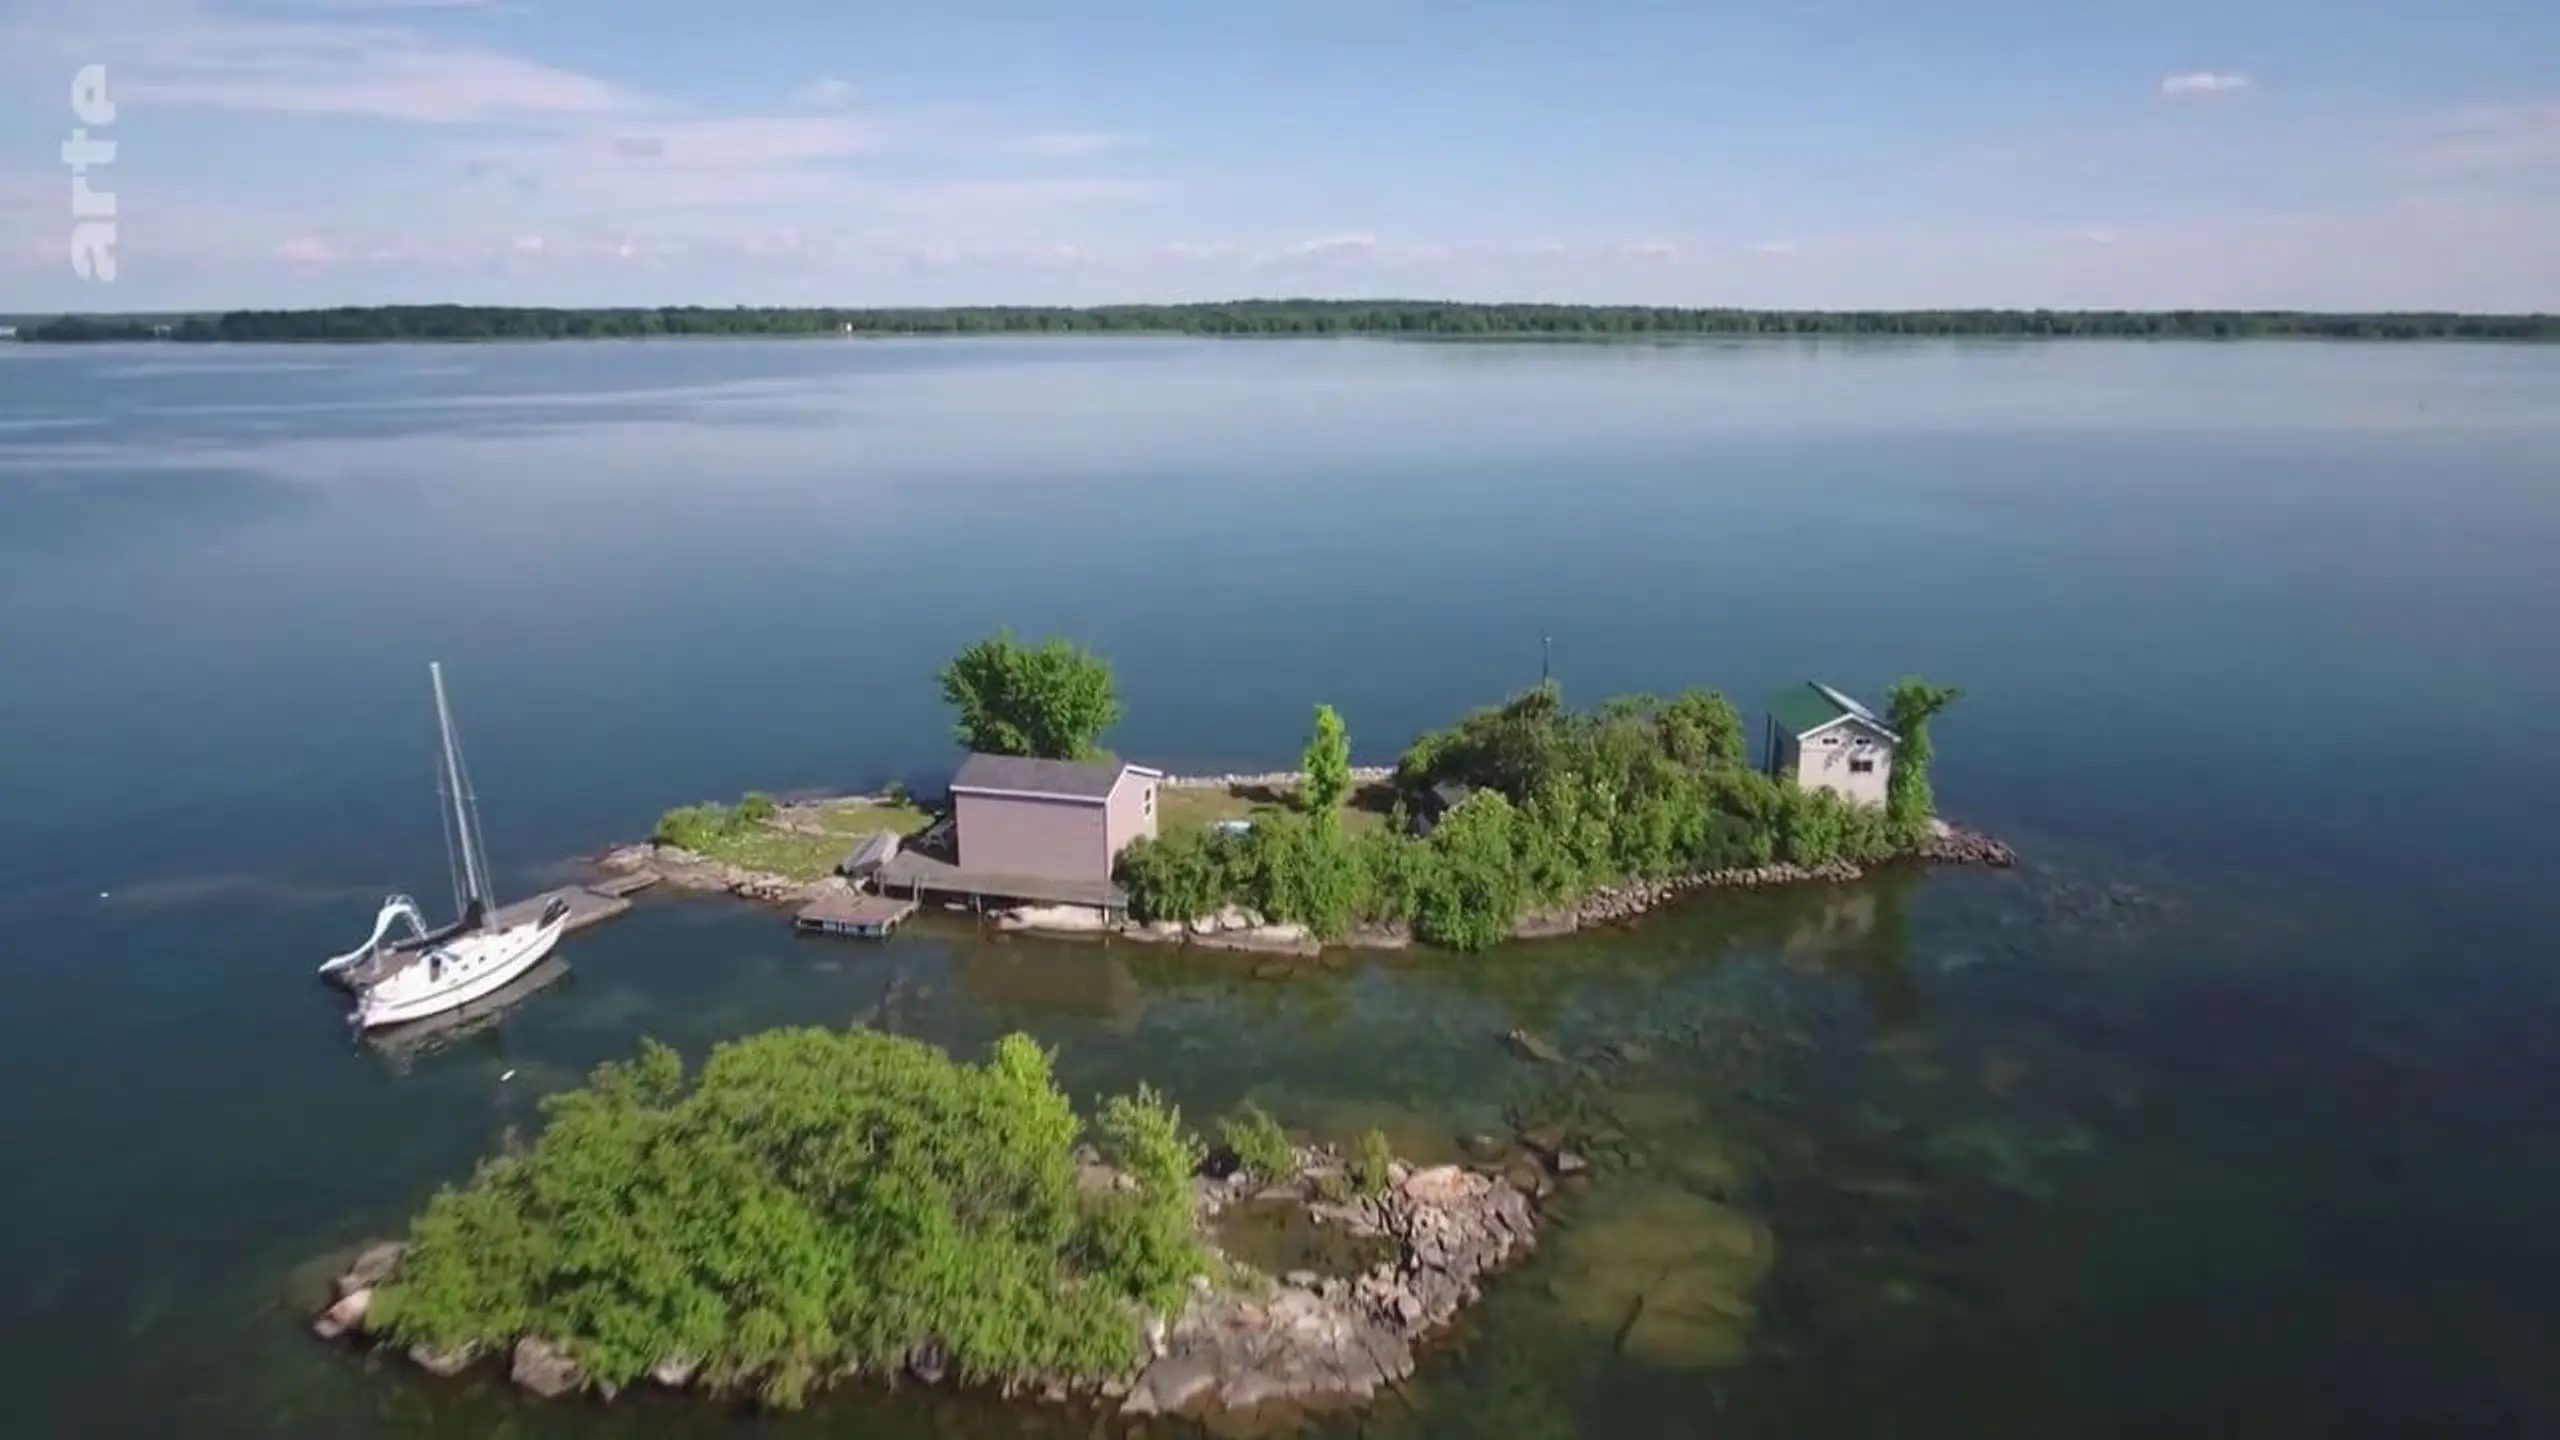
x=824, y=93
x=306, y=250
x=1071, y=144
x=1325, y=247
x=2203, y=82
x=360, y=63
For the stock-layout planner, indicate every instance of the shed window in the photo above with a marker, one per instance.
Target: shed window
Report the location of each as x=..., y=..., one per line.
x=1147, y=806
x=1862, y=765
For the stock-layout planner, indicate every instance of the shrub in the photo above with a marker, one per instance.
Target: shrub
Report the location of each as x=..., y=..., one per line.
x=813, y=1203
x=1301, y=868
x=755, y=808
x=1261, y=1146
x=695, y=827
x=1470, y=889
x=1369, y=1166
x=1179, y=875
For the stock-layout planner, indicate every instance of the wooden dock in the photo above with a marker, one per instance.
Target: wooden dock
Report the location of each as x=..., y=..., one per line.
x=587, y=906
x=872, y=917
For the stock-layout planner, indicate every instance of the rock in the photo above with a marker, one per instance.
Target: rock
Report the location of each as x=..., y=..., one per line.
x=344, y=1316
x=675, y=1372
x=1171, y=1384
x=445, y=1363
x=1526, y=1177
x=1302, y=1279
x=545, y=1369
x=1530, y=1047
x=1481, y=1146
x=372, y=1266
x=1569, y=1164
x=929, y=1362
x=1221, y=1162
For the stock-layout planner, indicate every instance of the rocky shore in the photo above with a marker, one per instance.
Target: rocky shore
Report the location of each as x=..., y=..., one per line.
x=1258, y=1352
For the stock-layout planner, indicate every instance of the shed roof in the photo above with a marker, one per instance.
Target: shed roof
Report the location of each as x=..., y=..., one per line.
x=1802, y=709
x=1089, y=780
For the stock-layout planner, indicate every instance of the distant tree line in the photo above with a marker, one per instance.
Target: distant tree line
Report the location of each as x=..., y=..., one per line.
x=1275, y=317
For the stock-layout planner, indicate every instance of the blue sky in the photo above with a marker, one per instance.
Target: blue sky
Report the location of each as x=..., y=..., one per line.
x=2320, y=153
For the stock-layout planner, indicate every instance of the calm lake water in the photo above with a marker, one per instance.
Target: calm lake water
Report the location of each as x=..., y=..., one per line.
x=2227, y=1115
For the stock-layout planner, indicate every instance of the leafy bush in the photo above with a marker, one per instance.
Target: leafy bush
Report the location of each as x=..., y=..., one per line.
x=1261, y=1146
x=755, y=808
x=814, y=1203
x=1471, y=887
x=695, y=827
x=1179, y=875
x=1369, y=1166
x=1301, y=868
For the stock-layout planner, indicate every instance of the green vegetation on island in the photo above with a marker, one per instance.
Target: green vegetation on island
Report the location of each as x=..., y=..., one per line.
x=813, y=1205
x=1420, y=318
x=797, y=842
x=1550, y=805
x=1557, y=804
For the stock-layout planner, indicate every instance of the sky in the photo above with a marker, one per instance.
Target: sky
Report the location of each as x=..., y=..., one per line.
x=2322, y=154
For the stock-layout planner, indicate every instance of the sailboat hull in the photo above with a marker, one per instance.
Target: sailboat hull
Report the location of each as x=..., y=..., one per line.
x=456, y=974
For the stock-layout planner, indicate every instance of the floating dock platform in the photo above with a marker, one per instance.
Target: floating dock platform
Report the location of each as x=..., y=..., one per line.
x=871, y=917
x=588, y=905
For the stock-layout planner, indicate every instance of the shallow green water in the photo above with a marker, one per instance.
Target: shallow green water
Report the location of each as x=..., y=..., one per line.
x=2220, y=1118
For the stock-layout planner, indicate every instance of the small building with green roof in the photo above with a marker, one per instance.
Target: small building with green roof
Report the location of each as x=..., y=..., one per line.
x=1823, y=740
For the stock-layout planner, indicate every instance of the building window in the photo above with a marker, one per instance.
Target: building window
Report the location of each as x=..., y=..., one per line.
x=1148, y=806
x=1861, y=765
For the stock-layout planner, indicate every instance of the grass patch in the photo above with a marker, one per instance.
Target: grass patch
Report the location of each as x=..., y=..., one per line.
x=1197, y=807
x=801, y=842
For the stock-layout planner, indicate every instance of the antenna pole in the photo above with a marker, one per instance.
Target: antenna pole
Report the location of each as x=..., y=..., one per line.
x=472, y=877
x=1546, y=656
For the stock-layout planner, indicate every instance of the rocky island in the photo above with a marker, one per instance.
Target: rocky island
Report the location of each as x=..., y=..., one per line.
x=820, y=1206
x=1525, y=819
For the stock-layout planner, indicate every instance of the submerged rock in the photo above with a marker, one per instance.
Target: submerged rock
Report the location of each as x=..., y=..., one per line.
x=1528, y=1045
x=1670, y=1274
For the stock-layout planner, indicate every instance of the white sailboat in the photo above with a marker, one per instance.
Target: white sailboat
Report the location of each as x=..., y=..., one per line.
x=428, y=972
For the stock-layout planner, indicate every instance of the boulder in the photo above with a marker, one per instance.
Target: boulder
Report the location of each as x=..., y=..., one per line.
x=372, y=1265
x=545, y=1369
x=445, y=1363
x=345, y=1315
x=675, y=1372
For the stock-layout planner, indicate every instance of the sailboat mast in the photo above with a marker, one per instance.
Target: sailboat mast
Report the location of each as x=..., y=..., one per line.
x=475, y=877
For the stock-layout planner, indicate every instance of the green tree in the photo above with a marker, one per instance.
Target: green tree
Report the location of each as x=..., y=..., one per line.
x=1053, y=700
x=1700, y=729
x=1328, y=766
x=1910, y=704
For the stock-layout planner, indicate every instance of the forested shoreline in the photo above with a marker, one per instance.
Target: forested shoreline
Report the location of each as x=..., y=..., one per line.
x=1276, y=318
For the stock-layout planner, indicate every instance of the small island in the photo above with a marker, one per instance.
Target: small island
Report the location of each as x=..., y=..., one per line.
x=817, y=1207
x=1524, y=819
